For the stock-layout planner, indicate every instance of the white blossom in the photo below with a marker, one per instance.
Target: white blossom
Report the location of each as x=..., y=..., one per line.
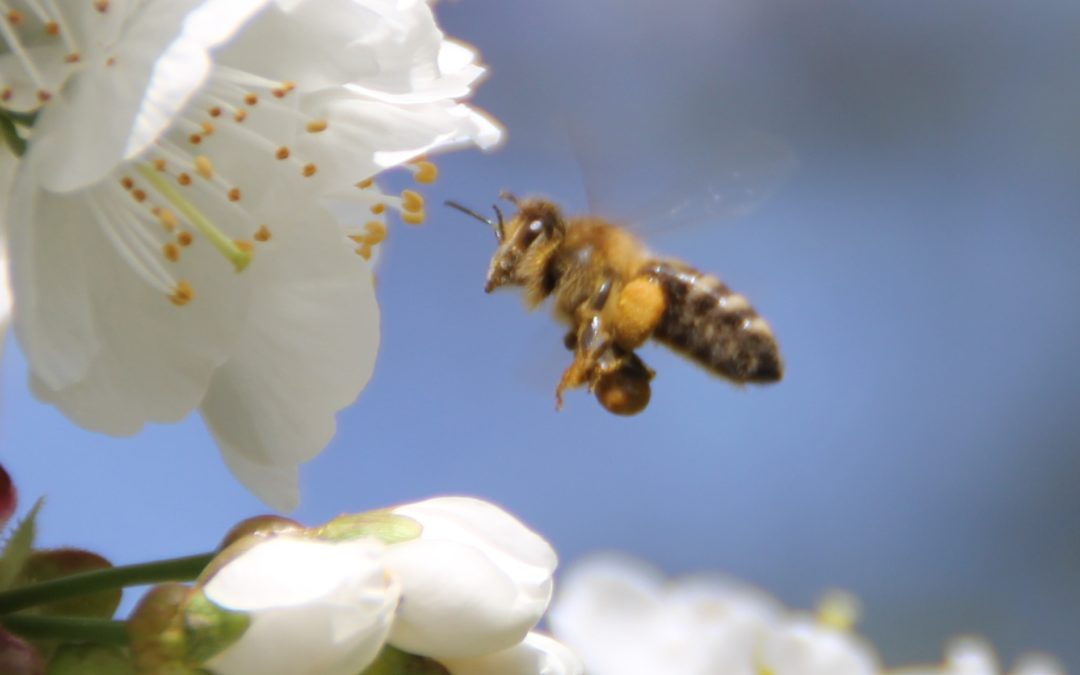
x=801, y=645
x=7, y=170
x=178, y=235
x=537, y=654
x=314, y=607
x=475, y=582
x=974, y=656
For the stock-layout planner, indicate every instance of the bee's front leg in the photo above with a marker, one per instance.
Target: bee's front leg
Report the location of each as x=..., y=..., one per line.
x=591, y=343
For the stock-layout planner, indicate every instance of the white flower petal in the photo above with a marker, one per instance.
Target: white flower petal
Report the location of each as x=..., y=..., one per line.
x=7, y=177
x=315, y=607
x=537, y=655
x=476, y=581
x=278, y=486
x=310, y=343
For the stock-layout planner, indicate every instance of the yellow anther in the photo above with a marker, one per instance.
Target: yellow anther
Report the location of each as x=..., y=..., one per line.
x=240, y=115
x=208, y=127
x=168, y=219
x=364, y=251
x=839, y=610
x=204, y=167
x=110, y=62
x=309, y=170
x=15, y=17
x=315, y=126
x=412, y=201
x=378, y=209
x=138, y=195
x=195, y=139
x=6, y=94
x=262, y=234
x=251, y=99
x=43, y=96
x=159, y=164
x=102, y=6
x=413, y=217
x=234, y=195
x=284, y=89
x=171, y=252
x=366, y=183
x=73, y=57
x=52, y=28
x=244, y=245
x=185, y=238
x=376, y=232
x=184, y=179
x=215, y=111
x=127, y=183
x=426, y=172
x=183, y=294
x=282, y=153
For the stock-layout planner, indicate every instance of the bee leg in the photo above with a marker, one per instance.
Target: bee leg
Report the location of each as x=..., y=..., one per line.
x=592, y=348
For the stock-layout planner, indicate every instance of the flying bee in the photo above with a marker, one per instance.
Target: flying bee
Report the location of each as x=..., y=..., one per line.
x=615, y=295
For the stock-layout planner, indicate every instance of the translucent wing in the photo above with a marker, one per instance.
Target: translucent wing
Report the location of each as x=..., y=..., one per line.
x=656, y=176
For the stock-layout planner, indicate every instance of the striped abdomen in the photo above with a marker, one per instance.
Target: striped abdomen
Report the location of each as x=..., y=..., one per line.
x=705, y=321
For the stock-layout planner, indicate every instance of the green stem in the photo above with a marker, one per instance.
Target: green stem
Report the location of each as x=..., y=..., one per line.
x=68, y=629
x=176, y=569
x=25, y=119
x=14, y=141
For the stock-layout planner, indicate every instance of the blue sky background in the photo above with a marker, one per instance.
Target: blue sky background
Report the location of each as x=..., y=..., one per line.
x=919, y=262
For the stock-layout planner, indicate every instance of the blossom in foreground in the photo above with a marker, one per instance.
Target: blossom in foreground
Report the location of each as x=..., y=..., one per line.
x=622, y=617
x=176, y=230
x=337, y=598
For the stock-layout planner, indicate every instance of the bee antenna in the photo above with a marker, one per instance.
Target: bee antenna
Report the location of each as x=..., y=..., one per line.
x=498, y=227
x=500, y=231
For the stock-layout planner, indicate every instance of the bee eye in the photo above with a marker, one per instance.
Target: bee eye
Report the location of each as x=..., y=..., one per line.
x=531, y=232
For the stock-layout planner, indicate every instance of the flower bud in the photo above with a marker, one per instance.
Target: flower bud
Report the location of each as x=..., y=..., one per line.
x=474, y=582
x=311, y=606
x=19, y=657
x=8, y=494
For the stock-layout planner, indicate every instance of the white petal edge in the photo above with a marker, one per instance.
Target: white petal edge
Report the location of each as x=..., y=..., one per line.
x=537, y=654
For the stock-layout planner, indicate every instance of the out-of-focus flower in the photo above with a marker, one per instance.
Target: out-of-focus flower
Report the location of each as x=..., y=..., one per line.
x=537, y=654
x=475, y=581
x=176, y=234
x=621, y=616
x=803, y=646
x=974, y=656
x=310, y=606
x=7, y=174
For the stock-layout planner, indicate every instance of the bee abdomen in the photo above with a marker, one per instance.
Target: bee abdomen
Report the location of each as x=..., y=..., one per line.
x=707, y=322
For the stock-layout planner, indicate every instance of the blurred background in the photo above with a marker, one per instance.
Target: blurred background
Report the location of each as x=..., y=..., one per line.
x=899, y=195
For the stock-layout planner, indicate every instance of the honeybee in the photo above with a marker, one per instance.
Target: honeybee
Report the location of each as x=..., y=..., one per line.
x=615, y=295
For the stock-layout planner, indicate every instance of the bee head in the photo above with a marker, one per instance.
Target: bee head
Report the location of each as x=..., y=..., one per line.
x=526, y=241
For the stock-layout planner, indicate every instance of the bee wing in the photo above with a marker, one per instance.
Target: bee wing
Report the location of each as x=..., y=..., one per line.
x=659, y=177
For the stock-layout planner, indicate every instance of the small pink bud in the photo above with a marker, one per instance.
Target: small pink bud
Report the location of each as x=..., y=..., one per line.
x=19, y=657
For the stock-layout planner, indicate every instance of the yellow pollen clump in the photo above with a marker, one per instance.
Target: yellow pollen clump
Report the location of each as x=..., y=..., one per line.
x=52, y=28
x=240, y=115
x=377, y=209
x=215, y=111
x=43, y=96
x=185, y=238
x=262, y=234
x=204, y=167
x=171, y=252
x=72, y=58
x=244, y=245
x=208, y=127
x=282, y=153
x=234, y=195
x=376, y=232
x=412, y=201
x=15, y=17
x=168, y=219
x=127, y=183
x=364, y=251
x=251, y=99
x=839, y=610
x=426, y=172
x=102, y=6
x=194, y=139
x=309, y=170
x=366, y=183
x=184, y=179
x=315, y=126
x=413, y=218
x=183, y=294
x=159, y=164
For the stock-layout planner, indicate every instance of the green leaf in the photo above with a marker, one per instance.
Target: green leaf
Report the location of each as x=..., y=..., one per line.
x=396, y=662
x=19, y=547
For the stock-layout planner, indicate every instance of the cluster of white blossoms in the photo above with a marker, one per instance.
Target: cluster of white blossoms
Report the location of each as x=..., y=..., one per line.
x=623, y=617
x=190, y=216
x=454, y=584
